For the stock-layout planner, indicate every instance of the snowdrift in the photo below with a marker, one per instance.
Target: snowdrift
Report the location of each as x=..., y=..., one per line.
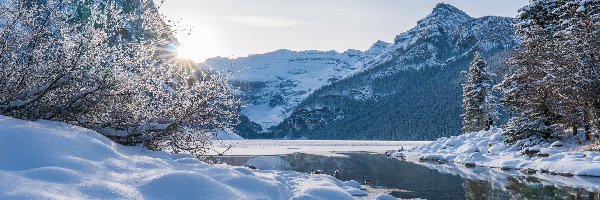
x=52, y=160
x=487, y=149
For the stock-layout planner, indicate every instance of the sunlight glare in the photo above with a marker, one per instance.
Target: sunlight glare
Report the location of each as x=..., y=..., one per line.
x=198, y=44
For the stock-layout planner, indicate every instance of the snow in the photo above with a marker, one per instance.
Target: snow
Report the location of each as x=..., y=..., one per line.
x=226, y=134
x=290, y=75
x=385, y=197
x=315, y=147
x=53, y=160
x=487, y=148
x=502, y=177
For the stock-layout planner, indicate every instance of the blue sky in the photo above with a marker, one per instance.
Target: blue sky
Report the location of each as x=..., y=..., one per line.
x=235, y=28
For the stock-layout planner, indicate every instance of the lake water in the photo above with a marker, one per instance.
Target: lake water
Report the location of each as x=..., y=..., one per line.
x=407, y=180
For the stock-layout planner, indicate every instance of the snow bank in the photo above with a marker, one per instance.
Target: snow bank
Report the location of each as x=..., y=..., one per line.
x=52, y=160
x=487, y=148
x=503, y=178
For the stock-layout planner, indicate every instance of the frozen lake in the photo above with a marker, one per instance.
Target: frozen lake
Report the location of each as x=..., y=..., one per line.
x=317, y=147
x=362, y=161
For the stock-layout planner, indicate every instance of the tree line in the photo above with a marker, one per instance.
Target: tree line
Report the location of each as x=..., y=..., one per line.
x=554, y=84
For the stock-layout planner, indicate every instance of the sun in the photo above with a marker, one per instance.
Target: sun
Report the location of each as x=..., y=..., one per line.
x=198, y=44
x=186, y=50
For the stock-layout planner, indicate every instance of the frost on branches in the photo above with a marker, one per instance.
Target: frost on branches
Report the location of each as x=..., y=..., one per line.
x=556, y=82
x=108, y=66
x=479, y=104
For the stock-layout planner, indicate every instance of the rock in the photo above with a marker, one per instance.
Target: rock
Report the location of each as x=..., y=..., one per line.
x=318, y=171
x=470, y=165
x=543, y=155
x=439, y=161
x=251, y=166
x=529, y=171
x=530, y=152
x=557, y=144
x=566, y=174
x=337, y=174
x=532, y=179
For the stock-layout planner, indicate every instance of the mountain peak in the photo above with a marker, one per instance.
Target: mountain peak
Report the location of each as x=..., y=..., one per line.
x=445, y=6
x=446, y=16
x=443, y=9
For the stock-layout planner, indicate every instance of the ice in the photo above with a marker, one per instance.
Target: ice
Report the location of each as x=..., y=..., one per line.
x=315, y=147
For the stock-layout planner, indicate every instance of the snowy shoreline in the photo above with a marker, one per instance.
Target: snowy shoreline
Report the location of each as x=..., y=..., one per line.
x=487, y=149
x=54, y=160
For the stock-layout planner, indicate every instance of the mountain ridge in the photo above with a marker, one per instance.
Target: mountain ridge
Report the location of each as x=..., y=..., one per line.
x=412, y=90
x=306, y=106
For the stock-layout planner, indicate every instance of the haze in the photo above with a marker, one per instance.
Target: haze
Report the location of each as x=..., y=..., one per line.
x=236, y=28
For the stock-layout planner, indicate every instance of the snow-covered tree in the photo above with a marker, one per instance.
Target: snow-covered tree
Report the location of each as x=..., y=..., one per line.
x=555, y=84
x=108, y=66
x=479, y=104
x=580, y=33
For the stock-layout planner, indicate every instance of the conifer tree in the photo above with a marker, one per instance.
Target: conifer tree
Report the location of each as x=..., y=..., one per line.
x=555, y=84
x=479, y=104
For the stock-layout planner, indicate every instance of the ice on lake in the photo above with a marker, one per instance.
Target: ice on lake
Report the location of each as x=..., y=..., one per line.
x=316, y=147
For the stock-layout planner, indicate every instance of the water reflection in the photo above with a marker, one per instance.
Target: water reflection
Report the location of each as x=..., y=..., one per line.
x=428, y=180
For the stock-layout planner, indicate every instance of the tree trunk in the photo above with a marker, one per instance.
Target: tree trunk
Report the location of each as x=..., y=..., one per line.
x=587, y=126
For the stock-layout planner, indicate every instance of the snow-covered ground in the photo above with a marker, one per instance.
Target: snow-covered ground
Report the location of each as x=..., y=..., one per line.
x=487, y=148
x=317, y=147
x=52, y=160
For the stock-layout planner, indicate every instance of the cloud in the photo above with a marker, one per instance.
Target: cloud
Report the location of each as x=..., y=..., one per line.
x=269, y=22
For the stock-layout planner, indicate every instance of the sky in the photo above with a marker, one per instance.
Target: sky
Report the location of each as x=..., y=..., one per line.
x=238, y=28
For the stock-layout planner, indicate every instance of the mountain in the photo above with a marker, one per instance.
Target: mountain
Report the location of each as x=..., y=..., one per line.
x=412, y=89
x=273, y=84
x=408, y=90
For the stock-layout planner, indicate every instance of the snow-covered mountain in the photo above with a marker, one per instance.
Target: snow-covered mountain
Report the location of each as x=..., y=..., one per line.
x=273, y=84
x=446, y=25
x=406, y=90
x=412, y=89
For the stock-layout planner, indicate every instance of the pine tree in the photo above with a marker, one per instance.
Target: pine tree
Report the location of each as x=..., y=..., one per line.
x=555, y=84
x=580, y=34
x=479, y=104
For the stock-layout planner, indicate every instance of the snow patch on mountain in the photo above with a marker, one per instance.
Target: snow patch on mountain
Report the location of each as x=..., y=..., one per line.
x=273, y=84
x=443, y=19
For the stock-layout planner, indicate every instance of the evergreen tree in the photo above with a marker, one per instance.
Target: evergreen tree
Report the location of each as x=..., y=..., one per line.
x=555, y=84
x=479, y=104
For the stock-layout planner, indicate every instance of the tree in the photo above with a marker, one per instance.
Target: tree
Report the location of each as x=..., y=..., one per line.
x=555, y=84
x=479, y=104
x=580, y=33
x=108, y=66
